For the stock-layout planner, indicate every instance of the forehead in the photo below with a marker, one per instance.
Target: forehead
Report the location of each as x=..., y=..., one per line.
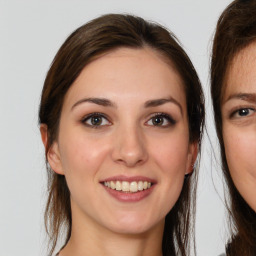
x=124, y=71
x=241, y=75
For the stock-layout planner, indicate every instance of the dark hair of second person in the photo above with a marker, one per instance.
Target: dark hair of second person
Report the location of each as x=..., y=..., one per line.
x=235, y=32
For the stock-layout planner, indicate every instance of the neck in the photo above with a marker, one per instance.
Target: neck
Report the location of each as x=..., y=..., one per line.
x=90, y=238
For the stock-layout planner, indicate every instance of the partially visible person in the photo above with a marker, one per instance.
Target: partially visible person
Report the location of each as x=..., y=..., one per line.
x=233, y=90
x=121, y=118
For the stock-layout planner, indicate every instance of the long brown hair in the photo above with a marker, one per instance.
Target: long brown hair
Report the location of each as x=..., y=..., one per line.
x=99, y=36
x=236, y=29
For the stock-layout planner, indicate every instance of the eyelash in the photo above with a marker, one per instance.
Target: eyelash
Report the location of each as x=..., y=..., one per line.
x=98, y=115
x=236, y=112
x=169, y=119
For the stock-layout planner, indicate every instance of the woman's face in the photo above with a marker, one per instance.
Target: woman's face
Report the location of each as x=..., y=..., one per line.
x=239, y=122
x=123, y=142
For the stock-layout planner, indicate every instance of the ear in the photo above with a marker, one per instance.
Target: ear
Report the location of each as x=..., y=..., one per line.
x=53, y=154
x=44, y=135
x=192, y=155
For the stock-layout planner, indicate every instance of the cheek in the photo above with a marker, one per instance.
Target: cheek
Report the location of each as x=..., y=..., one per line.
x=82, y=156
x=171, y=154
x=240, y=149
x=82, y=159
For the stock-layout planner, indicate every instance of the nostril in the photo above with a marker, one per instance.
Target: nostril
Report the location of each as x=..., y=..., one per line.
x=130, y=161
x=129, y=148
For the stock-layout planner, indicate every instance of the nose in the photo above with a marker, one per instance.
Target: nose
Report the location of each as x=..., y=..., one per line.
x=129, y=147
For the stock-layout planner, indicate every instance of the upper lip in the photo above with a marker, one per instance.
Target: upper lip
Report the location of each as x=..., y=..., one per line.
x=129, y=179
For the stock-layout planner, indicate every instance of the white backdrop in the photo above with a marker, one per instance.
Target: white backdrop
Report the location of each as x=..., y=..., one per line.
x=30, y=34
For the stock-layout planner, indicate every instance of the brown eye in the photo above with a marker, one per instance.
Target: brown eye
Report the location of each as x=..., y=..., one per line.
x=158, y=120
x=243, y=112
x=96, y=120
x=161, y=120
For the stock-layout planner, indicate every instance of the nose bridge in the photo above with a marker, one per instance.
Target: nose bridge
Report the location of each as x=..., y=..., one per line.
x=129, y=144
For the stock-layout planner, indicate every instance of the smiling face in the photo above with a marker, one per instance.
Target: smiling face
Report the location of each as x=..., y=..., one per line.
x=239, y=123
x=123, y=142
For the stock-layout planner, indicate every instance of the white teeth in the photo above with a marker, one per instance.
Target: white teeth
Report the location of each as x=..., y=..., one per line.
x=140, y=185
x=126, y=186
x=112, y=184
x=118, y=186
x=145, y=185
x=133, y=186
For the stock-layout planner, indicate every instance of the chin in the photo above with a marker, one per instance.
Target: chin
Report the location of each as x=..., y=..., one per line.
x=132, y=225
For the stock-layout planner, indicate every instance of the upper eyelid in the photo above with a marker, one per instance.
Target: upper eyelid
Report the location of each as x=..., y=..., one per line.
x=159, y=114
x=164, y=115
x=236, y=107
x=235, y=110
x=86, y=117
x=238, y=103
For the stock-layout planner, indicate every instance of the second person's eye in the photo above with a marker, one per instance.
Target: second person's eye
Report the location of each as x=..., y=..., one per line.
x=243, y=112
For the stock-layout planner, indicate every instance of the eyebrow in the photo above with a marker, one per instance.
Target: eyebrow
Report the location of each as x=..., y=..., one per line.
x=250, y=97
x=159, y=102
x=107, y=103
x=99, y=101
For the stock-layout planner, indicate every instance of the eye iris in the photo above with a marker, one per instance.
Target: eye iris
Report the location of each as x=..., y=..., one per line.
x=243, y=112
x=96, y=120
x=158, y=120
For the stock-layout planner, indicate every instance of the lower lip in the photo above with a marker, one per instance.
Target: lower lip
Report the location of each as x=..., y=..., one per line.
x=129, y=197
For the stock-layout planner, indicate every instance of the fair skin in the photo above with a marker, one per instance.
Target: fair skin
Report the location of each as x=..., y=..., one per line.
x=239, y=122
x=123, y=123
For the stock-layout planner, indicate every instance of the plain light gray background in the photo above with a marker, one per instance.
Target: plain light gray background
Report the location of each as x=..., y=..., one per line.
x=30, y=34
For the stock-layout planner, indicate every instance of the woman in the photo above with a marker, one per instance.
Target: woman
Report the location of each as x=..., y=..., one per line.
x=121, y=118
x=233, y=88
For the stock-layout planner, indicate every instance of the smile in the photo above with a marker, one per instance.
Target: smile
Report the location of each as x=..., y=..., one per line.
x=128, y=187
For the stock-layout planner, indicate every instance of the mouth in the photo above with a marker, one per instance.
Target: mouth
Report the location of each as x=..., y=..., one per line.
x=128, y=187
